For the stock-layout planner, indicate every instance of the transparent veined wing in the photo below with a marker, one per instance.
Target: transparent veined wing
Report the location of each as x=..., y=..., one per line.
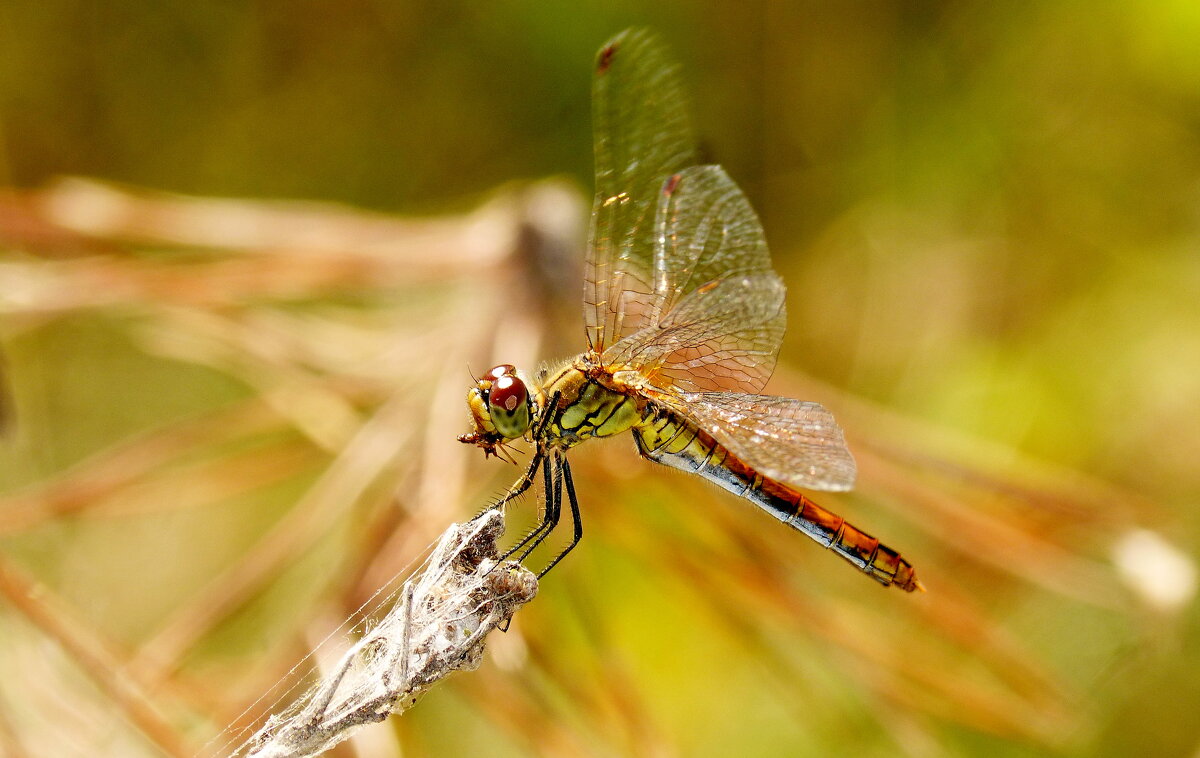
x=714, y=315
x=791, y=441
x=641, y=136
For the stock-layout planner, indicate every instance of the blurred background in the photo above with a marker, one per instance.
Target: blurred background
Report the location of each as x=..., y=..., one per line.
x=249, y=254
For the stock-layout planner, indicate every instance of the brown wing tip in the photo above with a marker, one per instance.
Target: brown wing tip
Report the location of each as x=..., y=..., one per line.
x=605, y=58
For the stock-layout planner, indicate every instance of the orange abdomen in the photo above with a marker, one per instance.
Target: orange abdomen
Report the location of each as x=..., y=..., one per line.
x=675, y=442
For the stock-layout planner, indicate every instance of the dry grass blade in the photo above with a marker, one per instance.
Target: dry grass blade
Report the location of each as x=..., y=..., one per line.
x=110, y=472
x=310, y=230
x=903, y=650
x=96, y=656
x=1066, y=497
x=524, y=713
x=9, y=742
x=373, y=448
x=1000, y=543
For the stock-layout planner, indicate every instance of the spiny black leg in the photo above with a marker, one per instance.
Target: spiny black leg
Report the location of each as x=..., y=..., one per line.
x=536, y=535
x=564, y=476
x=523, y=483
x=547, y=414
x=553, y=510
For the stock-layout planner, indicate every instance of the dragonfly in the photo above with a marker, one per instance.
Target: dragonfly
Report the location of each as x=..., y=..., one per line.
x=683, y=317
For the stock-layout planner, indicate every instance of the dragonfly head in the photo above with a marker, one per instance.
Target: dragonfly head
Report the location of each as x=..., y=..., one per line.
x=501, y=408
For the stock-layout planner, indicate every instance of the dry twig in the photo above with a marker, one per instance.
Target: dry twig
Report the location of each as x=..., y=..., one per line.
x=437, y=625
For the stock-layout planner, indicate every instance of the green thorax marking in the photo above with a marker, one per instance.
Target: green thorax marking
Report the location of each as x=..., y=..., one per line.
x=595, y=411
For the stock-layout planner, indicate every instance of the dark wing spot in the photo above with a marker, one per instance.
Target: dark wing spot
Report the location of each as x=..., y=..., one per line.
x=708, y=286
x=605, y=59
x=672, y=184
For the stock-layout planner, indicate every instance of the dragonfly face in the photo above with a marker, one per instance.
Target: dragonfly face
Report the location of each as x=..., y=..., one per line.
x=683, y=315
x=502, y=409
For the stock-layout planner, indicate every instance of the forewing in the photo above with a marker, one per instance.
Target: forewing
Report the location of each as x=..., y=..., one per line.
x=715, y=315
x=791, y=441
x=641, y=136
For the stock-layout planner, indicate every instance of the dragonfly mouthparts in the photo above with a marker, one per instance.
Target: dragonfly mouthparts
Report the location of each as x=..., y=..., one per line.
x=486, y=441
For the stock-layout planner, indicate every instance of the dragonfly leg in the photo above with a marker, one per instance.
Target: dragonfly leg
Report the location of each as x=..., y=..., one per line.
x=522, y=484
x=564, y=471
x=547, y=414
x=519, y=488
x=539, y=533
x=549, y=519
x=553, y=501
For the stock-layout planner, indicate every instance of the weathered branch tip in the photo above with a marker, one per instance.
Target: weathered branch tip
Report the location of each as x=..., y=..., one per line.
x=437, y=625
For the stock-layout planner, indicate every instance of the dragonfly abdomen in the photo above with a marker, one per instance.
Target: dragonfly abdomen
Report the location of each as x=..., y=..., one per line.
x=675, y=442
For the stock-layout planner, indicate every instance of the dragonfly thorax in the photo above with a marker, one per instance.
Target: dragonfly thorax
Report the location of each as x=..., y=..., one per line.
x=502, y=408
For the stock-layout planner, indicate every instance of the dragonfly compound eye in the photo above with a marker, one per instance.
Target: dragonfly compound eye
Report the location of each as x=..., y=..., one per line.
x=508, y=402
x=504, y=369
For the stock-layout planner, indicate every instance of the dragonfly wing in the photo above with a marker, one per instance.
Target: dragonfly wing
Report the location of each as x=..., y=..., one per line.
x=791, y=441
x=642, y=135
x=715, y=315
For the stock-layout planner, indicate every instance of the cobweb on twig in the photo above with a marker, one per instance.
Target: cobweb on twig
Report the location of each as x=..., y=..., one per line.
x=437, y=625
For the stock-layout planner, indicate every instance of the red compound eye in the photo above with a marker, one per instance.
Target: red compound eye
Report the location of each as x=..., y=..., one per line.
x=508, y=392
x=504, y=369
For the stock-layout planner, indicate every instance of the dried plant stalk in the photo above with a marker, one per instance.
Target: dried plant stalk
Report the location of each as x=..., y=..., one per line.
x=437, y=625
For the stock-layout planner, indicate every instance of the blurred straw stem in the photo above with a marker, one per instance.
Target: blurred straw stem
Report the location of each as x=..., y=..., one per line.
x=340, y=486
x=257, y=249
x=98, y=658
